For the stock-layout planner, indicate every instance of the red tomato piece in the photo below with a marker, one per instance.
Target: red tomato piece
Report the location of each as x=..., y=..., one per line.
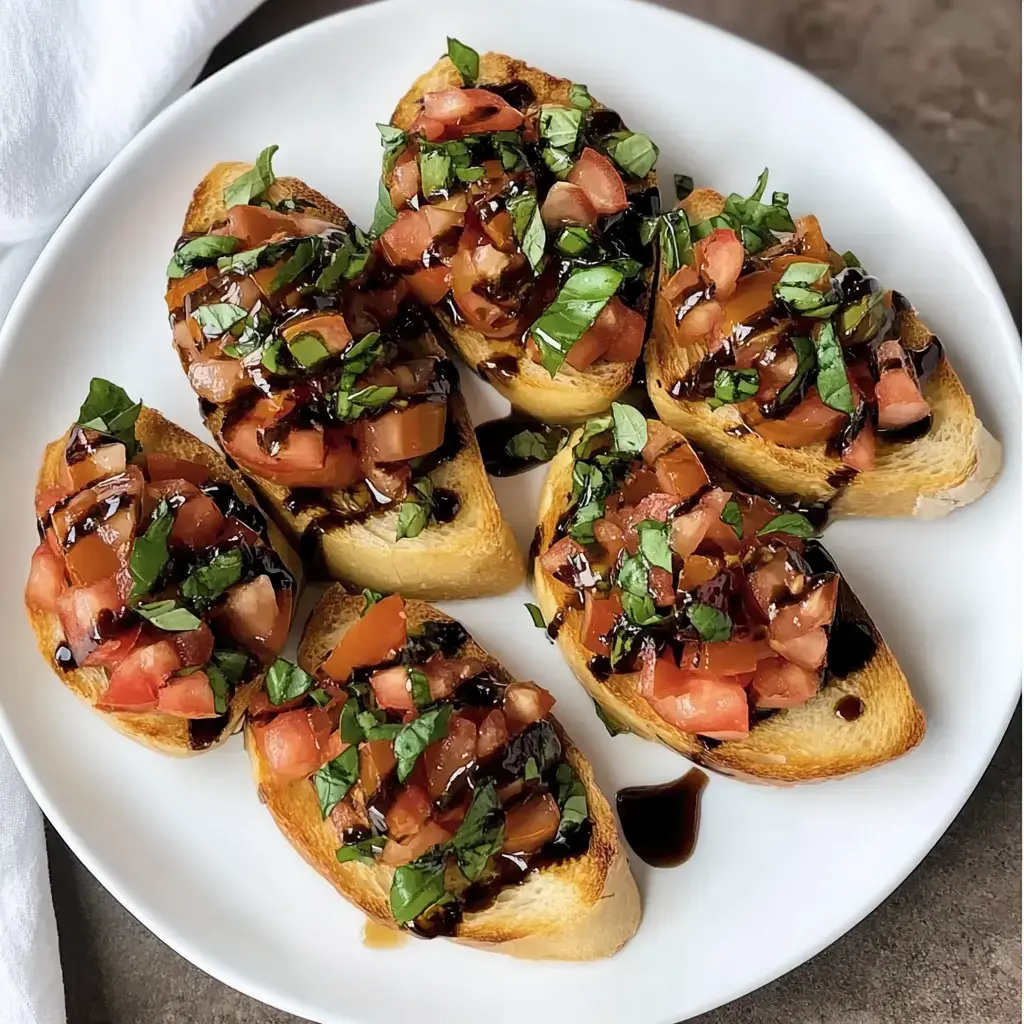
x=409, y=812
x=531, y=824
x=197, y=523
x=720, y=259
x=330, y=328
x=194, y=646
x=134, y=684
x=861, y=454
x=250, y=611
x=376, y=763
x=567, y=205
x=402, y=434
x=188, y=696
x=779, y=683
x=106, y=460
x=45, y=579
x=445, y=674
x=815, y=608
x=491, y=735
x=450, y=756
x=430, y=284
x=597, y=176
x=599, y=615
x=373, y=639
x=112, y=652
x=391, y=688
x=558, y=555
x=899, y=399
x=524, y=704
x=680, y=472
x=610, y=536
x=407, y=239
x=292, y=742
x=80, y=610
x=431, y=834
x=810, y=422
x=807, y=650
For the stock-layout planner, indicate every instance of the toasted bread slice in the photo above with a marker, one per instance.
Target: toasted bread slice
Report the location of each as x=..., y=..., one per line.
x=803, y=744
x=474, y=555
x=582, y=908
x=570, y=395
x=169, y=734
x=955, y=463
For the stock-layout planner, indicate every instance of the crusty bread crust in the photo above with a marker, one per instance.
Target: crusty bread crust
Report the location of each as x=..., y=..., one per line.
x=583, y=908
x=167, y=733
x=804, y=744
x=954, y=463
x=475, y=555
x=572, y=394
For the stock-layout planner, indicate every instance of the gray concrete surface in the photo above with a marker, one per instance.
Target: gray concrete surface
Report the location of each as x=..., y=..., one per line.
x=944, y=77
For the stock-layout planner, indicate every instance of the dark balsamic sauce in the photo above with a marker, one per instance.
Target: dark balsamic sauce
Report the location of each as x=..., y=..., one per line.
x=660, y=823
x=516, y=93
x=849, y=708
x=555, y=624
x=502, y=368
x=446, y=505
x=64, y=659
x=204, y=732
x=494, y=436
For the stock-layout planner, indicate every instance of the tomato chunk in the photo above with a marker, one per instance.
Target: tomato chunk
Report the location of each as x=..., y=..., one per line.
x=45, y=579
x=531, y=824
x=810, y=422
x=376, y=762
x=567, y=205
x=197, y=523
x=373, y=639
x=391, y=688
x=135, y=683
x=293, y=742
x=815, y=608
x=524, y=704
x=188, y=696
x=194, y=646
x=720, y=259
x=80, y=610
x=402, y=434
x=807, y=651
x=250, y=611
x=396, y=854
x=597, y=176
x=680, y=472
x=409, y=813
x=599, y=615
x=450, y=756
x=782, y=684
x=112, y=652
x=900, y=402
x=492, y=734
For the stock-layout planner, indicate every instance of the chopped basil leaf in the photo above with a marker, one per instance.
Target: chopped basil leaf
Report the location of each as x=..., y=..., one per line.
x=806, y=358
x=578, y=304
x=674, y=242
x=465, y=59
x=481, y=833
x=736, y=385
x=384, y=214
x=417, y=886
x=632, y=576
x=393, y=140
x=752, y=220
x=305, y=253
x=244, y=262
x=374, y=730
x=285, y=681
x=573, y=241
x=640, y=611
x=833, y=384
x=232, y=664
x=412, y=517
x=417, y=735
x=732, y=516
x=348, y=261
x=560, y=126
x=221, y=688
x=469, y=173
x=198, y=252
x=335, y=779
x=108, y=409
x=351, y=405
x=205, y=583
x=365, y=850
x=794, y=289
x=636, y=154
x=419, y=687
x=320, y=697
x=308, y=350
x=579, y=97
x=218, y=317
x=536, y=615
x=435, y=169
x=169, y=616
x=654, y=543
x=348, y=724
x=558, y=161
x=572, y=800
x=530, y=769
x=629, y=428
x=582, y=528
x=684, y=185
x=789, y=522
x=613, y=725
x=528, y=226
x=850, y=259
x=712, y=624
x=370, y=598
x=594, y=427
x=803, y=273
x=254, y=182
x=149, y=555
x=536, y=446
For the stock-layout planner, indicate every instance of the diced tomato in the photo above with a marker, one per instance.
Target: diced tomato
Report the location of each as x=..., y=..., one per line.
x=81, y=609
x=431, y=834
x=126, y=485
x=524, y=704
x=219, y=380
x=197, y=523
x=470, y=270
x=256, y=224
x=179, y=287
x=680, y=472
x=657, y=505
x=445, y=674
x=531, y=824
x=409, y=812
x=45, y=579
x=391, y=688
x=807, y=650
x=688, y=530
x=663, y=588
x=610, y=536
x=815, y=608
x=373, y=639
x=350, y=813
x=812, y=241
x=752, y=296
x=599, y=615
x=330, y=328
x=899, y=399
x=292, y=743
x=405, y=179
x=659, y=437
x=194, y=646
x=770, y=582
x=112, y=652
x=558, y=555
x=684, y=280
x=617, y=335
x=861, y=454
x=719, y=259
x=500, y=230
x=469, y=111
x=599, y=179
x=491, y=735
x=188, y=696
x=105, y=460
x=402, y=434
x=452, y=817
x=250, y=612
x=702, y=322
x=779, y=683
x=698, y=569
x=135, y=682
x=590, y=347
x=734, y=657
x=407, y=239
x=376, y=763
x=567, y=205
x=161, y=466
x=810, y=422
x=450, y=756
x=430, y=284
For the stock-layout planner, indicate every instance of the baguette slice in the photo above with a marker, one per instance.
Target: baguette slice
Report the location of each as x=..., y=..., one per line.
x=167, y=733
x=805, y=744
x=955, y=463
x=475, y=555
x=582, y=908
x=571, y=395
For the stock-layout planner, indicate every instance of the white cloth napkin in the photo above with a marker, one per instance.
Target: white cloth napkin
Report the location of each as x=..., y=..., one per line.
x=78, y=78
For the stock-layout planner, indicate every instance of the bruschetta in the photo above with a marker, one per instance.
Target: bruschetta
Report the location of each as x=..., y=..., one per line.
x=514, y=205
x=436, y=792
x=159, y=591
x=328, y=390
x=792, y=364
x=703, y=614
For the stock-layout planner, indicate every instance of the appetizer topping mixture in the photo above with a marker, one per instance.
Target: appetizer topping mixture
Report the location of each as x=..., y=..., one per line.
x=717, y=598
x=528, y=214
x=158, y=572
x=427, y=760
x=804, y=344
x=298, y=329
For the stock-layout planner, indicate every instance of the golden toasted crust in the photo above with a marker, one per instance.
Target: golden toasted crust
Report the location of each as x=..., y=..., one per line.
x=954, y=463
x=475, y=555
x=804, y=744
x=572, y=394
x=167, y=733
x=580, y=909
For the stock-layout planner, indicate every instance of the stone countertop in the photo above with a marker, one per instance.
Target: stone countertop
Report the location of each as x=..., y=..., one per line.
x=943, y=76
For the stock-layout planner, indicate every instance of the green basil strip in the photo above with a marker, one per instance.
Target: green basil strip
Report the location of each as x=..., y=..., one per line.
x=221, y=689
x=232, y=663
x=732, y=516
x=370, y=598
x=308, y=350
x=149, y=554
x=254, y=182
x=559, y=127
x=205, y=583
x=384, y=214
x=536, y=615
x=465, y=59
x=366, y=850
x=736, y=385
x=559, y=161
x=435, y=169
x=528, y=227
x=245, y=262
x=394, y=141
x=712, y=624
x=535, y=445
x=629, y=428
x=807, y=357
x=578, y=304
x=674, y=242
x=198, y=252
x=169, y=616
x=416, y=887
x=285, y=681
x=833, y=384
x=481, y=833
x=419, y=687
x=632, y=576
x=573, y=240
x=218, y=318
x=417, y=735
x=572, y=800
x=636, y=154
x=850, y=259
x=108, y=409
x=613, y=725
x=305, y=253
x=684, y=185
x=789, y=522
x=531, y=770
x=348, y=724
x=580, y=97
x=335, y=779
x=654, y=543
x=412, y=518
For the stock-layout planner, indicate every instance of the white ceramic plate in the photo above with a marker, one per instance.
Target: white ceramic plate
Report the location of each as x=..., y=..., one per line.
x=777, y=874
